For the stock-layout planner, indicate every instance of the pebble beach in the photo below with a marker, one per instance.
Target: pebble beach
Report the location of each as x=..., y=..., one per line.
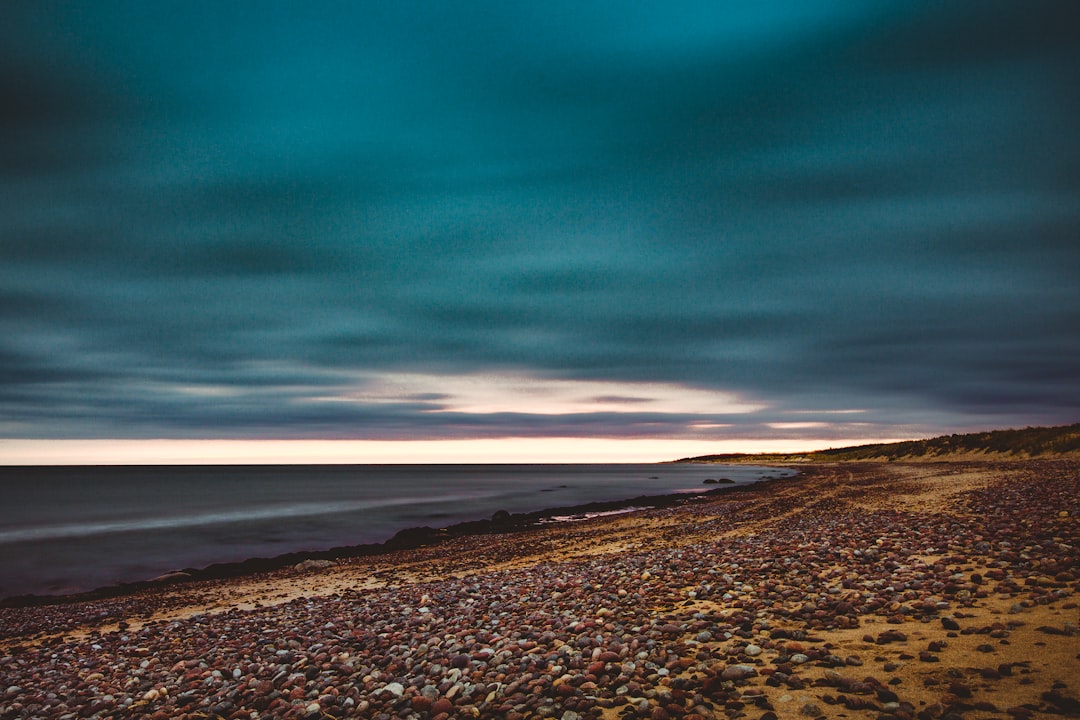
x=863, y=590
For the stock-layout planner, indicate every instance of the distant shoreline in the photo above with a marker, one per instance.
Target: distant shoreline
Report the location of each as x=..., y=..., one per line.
x=405, y=539
x=1032, y=443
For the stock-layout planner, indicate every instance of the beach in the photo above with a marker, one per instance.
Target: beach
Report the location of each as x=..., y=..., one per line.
x=859, y=590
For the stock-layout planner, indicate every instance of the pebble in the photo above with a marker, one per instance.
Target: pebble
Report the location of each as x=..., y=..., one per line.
x=738, y=672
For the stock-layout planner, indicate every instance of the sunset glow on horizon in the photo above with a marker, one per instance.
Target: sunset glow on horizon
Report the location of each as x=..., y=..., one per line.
x=316, y=452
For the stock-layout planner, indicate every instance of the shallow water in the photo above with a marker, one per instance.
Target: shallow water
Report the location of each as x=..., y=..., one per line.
x=71, y=529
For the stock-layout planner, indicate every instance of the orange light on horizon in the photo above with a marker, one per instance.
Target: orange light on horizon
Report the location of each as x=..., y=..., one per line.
x=478, y=451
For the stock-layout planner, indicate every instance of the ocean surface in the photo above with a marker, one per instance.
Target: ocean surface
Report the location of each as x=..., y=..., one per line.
x=71, y=529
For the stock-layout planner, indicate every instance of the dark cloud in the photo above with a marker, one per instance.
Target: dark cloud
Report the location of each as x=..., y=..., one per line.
x=216, y=222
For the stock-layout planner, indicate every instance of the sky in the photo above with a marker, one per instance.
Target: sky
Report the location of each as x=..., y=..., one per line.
x=424, y=231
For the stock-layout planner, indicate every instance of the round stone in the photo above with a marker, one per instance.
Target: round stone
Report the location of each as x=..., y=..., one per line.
x=738, y=672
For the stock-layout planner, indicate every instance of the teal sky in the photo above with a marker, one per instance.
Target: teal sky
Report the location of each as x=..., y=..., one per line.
x=446, y=220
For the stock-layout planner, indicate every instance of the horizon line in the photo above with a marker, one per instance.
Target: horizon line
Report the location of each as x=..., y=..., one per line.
x=513, y=450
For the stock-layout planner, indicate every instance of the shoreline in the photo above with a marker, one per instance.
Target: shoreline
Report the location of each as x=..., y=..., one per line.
x=405, y=539
x=888, y=592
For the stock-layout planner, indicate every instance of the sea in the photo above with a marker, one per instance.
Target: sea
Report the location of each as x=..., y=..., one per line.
x=72, y=529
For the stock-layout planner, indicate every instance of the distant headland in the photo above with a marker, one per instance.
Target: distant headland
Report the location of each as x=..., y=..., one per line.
x=1062, y=441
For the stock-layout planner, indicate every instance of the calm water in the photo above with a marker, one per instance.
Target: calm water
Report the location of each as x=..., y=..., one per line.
x=72, y=529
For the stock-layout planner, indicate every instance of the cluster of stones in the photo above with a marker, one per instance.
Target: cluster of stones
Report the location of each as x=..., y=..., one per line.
x=683, y=626
x=24, y=621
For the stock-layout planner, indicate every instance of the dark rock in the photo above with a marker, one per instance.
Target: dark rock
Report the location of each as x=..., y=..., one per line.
x=889, y=636
x=1065, y=705
x=886, y=696
x=960, y=690
x=414, y=537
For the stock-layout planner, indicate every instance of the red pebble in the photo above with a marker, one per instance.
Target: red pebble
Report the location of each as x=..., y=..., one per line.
x=442, y=705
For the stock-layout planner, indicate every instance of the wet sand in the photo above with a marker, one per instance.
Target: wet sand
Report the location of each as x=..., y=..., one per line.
x=858, y=591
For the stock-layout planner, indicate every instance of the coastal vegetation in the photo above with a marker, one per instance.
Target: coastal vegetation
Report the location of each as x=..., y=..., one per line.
x=1028, y=443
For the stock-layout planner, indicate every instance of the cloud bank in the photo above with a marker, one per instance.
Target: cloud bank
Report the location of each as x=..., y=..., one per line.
x=699, y=220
